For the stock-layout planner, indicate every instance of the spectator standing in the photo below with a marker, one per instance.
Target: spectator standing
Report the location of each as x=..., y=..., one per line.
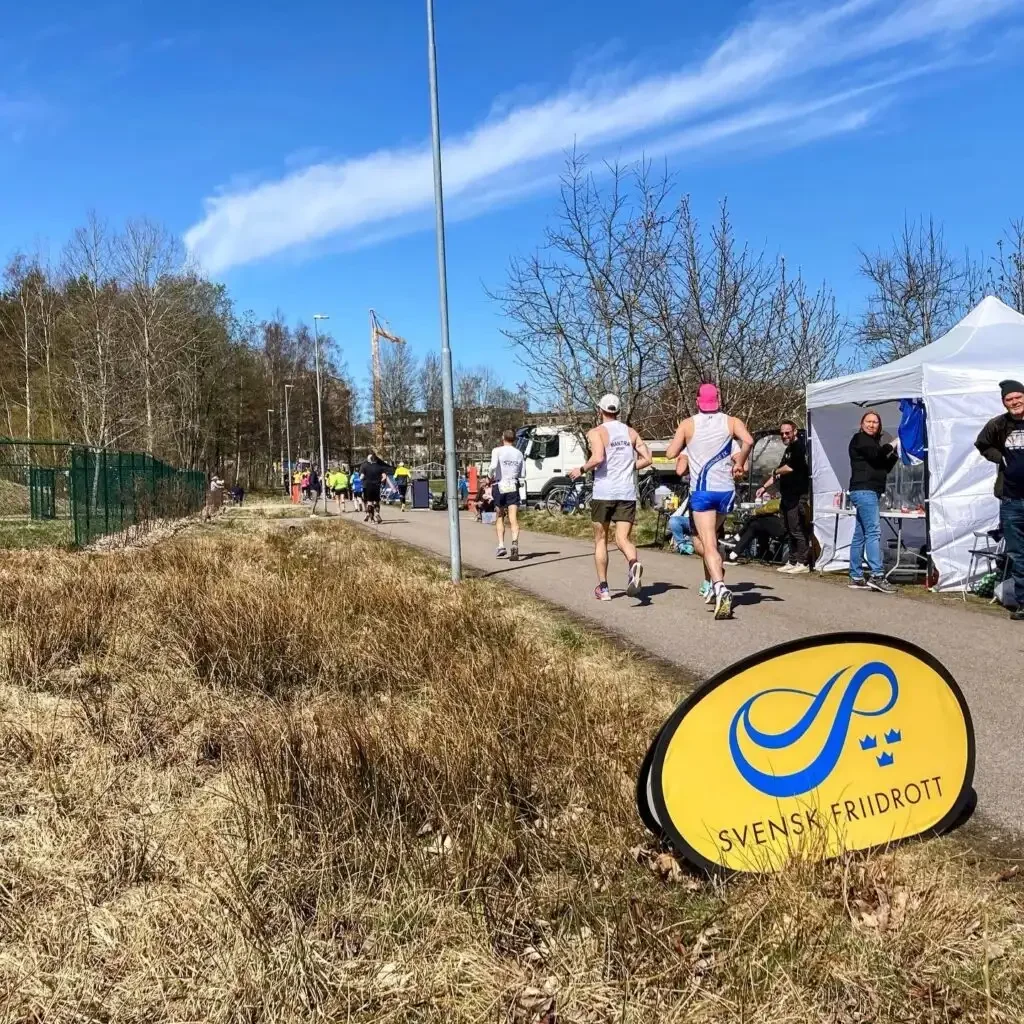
x=314, y=487
x=870, y=464
x=792, y=477
x=1002, y=441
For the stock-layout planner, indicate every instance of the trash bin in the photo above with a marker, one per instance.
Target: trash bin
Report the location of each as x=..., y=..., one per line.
x=421, y=494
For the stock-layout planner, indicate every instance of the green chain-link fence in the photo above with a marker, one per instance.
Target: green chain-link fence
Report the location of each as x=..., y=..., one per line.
x=55, y=493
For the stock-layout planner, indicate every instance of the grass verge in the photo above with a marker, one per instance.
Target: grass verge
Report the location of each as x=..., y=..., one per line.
x=297, y=775
x=580, y=526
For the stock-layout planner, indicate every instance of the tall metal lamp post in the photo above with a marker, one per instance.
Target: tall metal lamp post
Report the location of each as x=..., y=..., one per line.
x=319, y=402
x=288, y=435
x=447, y=389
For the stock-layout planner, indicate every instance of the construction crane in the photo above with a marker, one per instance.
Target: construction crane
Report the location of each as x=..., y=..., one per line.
x=378, y=331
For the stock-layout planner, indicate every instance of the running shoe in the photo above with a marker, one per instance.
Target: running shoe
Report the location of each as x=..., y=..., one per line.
x=500, y=552
x=633, y=579
x=723, y=603
x=881, y=584
x=799, y=570
x=788, y=567
x=706, y=592
x=858, y=585
x=602, y=593
x=513, y=555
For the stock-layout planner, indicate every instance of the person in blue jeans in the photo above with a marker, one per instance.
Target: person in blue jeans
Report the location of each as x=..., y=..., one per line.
x=1002, y=441
x=870, y=464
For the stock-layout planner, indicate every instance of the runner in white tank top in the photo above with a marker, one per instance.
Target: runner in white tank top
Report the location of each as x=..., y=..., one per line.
x=617, y=452
x=615, y=478
x=709, y=450
x=710, y=439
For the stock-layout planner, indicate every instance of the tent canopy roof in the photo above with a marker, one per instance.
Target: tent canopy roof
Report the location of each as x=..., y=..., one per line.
x=990, y=336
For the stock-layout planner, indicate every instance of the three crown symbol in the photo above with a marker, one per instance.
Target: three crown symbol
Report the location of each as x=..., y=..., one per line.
x=884, y=759
x=869, y=743
x=893, y=736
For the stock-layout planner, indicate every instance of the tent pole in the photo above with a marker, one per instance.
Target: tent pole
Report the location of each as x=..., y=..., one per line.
x=929, y=563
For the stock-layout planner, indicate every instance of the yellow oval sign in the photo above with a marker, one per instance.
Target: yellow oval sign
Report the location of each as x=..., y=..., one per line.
x=831, y=743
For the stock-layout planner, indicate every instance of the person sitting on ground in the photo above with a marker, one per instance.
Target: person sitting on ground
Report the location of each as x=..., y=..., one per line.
x=680, y=526
x=763, y=526
x=484, y=498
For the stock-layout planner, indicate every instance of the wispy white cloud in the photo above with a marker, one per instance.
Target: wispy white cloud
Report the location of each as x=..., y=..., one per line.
x=779, y=72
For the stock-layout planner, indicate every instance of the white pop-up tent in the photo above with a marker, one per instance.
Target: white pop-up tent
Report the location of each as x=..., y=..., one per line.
x=957, y=377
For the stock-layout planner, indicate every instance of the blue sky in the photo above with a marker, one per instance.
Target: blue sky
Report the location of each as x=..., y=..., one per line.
x=288, y=144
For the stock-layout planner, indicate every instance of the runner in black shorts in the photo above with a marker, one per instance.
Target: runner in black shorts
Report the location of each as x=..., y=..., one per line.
x=508, y=467
x=374, y=472
x=612, y=511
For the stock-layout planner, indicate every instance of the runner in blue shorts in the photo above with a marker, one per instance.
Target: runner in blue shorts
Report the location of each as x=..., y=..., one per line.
x=717, y=446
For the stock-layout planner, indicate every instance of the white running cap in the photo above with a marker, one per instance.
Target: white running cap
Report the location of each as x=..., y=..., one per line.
x=609, y=403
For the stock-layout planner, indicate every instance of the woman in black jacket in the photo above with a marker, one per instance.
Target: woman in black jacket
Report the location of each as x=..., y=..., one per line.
x=870, y=463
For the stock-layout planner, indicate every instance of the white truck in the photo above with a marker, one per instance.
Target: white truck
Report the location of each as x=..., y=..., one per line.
x=550, y=453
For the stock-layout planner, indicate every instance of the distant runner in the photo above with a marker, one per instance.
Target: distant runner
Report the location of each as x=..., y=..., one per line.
x=617, y=453
x=339, y=485
x=715, y=466
x=402, y=478
x=507, y=468
x=357, y=489
x=374, y=472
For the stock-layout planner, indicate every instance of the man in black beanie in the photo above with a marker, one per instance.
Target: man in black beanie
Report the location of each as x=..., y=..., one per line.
x=1002, y=441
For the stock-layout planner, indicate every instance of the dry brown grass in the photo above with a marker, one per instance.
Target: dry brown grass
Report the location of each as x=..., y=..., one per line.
x=299, y=776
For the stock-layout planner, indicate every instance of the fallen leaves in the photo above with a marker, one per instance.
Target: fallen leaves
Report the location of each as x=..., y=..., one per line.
x=666, y=867
x=537, y=1003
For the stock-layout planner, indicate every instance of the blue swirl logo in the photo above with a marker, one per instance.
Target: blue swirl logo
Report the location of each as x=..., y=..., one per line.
x=823, y=765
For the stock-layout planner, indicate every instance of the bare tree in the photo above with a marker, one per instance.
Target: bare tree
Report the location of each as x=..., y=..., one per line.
x=398, y=394
x=17, y=325
x=1008, y=275
x=578, y=304
x=919, y=290
x=631, y=296
x=100, y=400
x=146, y=256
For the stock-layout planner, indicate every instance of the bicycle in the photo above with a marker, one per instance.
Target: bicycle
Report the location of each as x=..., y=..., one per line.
x=569, y=499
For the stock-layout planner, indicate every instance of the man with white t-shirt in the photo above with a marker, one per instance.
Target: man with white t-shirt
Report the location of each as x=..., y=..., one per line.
x=507, y=469
x=617, y=452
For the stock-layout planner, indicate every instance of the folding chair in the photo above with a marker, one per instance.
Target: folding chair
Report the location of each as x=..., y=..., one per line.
x=989, y=550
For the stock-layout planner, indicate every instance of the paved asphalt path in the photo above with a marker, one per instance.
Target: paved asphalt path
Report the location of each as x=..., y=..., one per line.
x=985, y=652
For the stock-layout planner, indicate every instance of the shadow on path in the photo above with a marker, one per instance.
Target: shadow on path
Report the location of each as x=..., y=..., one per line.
x=643, y=599
x=747, y=593
x=532, y=555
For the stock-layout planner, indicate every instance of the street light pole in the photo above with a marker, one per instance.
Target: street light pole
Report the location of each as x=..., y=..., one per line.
x=288, y=435
x=319, y=403
x=447, y=389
